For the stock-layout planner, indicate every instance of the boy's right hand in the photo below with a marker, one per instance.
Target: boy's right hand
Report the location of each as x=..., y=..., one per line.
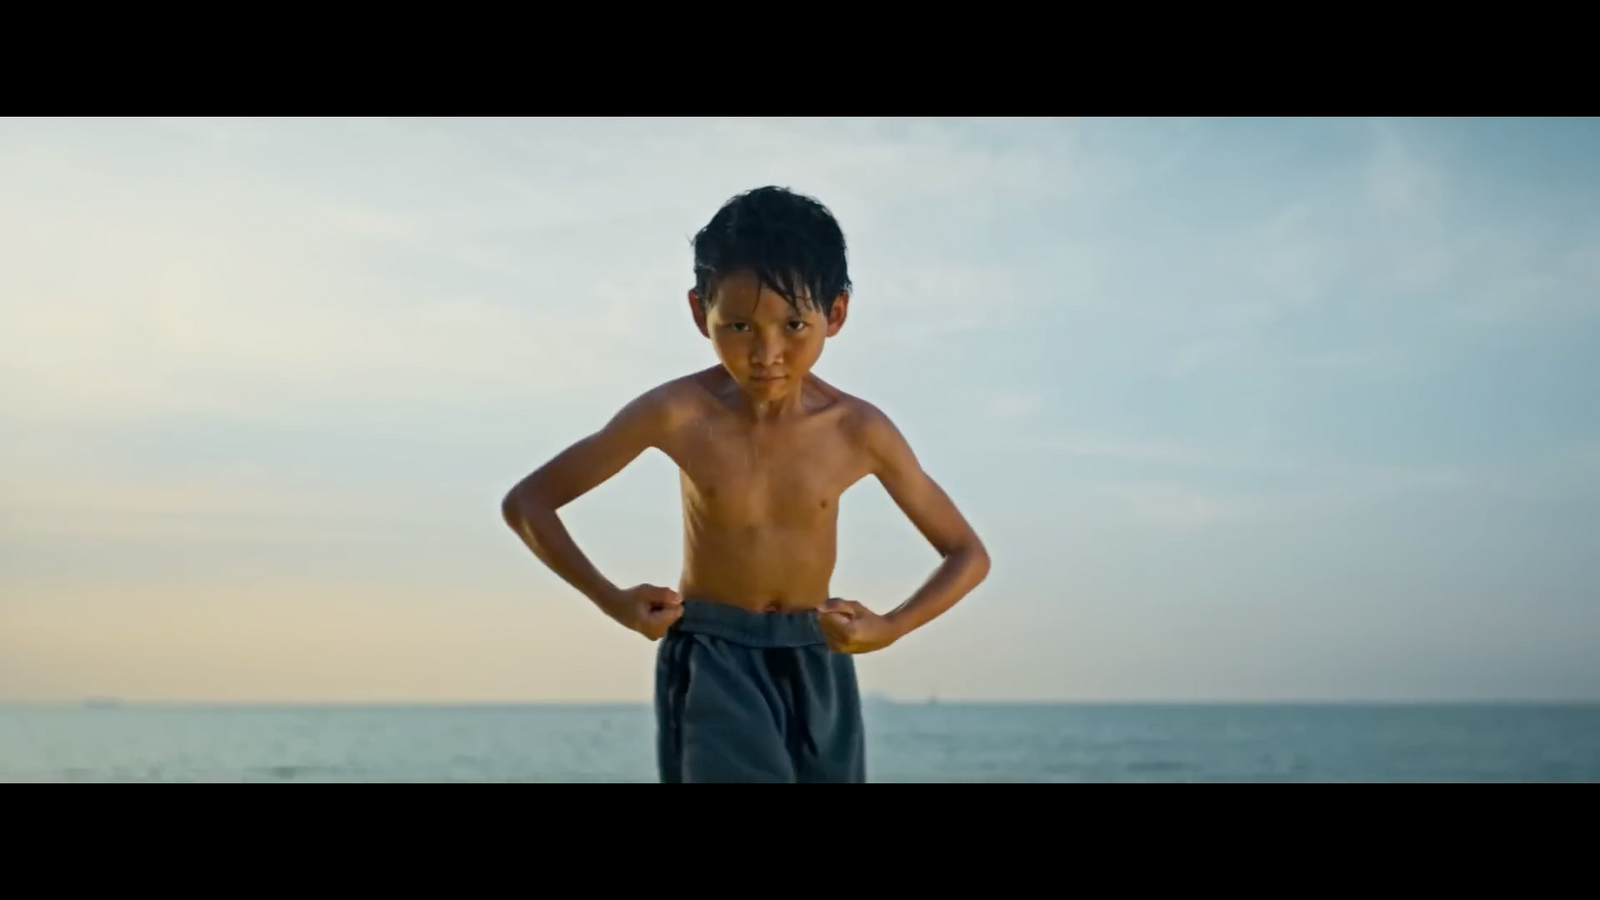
x=647, y=609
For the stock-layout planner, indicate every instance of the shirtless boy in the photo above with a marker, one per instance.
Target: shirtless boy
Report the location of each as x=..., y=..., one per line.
x=755, y=678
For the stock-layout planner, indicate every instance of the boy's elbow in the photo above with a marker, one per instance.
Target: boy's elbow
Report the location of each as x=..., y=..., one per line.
x=514, y=507
x=511, y=510
x=977, y=559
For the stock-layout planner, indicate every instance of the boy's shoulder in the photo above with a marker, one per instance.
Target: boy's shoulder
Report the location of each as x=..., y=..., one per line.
x=661, y=408
x=687, y=395
x=855, y=413
x=862, y=423
x=682, y=400
x=676, y=392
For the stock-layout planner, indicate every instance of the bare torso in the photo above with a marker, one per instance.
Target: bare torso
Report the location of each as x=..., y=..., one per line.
x=761, y=498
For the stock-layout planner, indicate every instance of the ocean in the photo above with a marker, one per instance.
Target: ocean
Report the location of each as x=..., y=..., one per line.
x=906, y=743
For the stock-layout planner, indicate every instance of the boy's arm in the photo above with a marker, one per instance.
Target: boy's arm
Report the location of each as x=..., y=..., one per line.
x=966, y=561
x=530, y=507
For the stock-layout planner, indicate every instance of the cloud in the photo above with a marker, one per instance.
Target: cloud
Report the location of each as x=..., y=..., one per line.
x=1016, y=406
x=1288, y=265
x=1201, y=355
x=1434, y=234
x=1400, y=182
x=1187, y=464
x=422, y=265
x=1524, y=278
x=1369, y=271
x=1174, y=505
x=42, y=502
x=1175, y=453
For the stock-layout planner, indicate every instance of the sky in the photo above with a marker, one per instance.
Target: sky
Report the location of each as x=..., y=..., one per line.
x=1245, y=410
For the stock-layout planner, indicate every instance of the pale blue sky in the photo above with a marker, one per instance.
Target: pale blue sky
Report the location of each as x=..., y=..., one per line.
x=1245, y=409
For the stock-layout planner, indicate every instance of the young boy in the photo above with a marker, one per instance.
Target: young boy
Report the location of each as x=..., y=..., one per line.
x=754, y=677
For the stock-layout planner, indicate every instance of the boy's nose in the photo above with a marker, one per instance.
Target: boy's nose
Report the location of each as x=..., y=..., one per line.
x=767, y=352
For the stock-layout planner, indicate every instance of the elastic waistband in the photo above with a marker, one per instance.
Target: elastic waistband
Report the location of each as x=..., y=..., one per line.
x=752, y=629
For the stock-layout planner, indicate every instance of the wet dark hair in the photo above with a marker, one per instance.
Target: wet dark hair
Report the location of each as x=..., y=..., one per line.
x=791, y=242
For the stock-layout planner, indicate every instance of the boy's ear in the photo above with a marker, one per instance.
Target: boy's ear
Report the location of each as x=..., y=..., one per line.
x=698, y=311
x=837, y=315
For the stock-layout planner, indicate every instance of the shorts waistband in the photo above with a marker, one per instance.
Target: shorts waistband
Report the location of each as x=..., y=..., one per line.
x=752, y=629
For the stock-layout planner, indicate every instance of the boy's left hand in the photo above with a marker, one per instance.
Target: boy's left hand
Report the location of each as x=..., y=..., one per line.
x=850, y=627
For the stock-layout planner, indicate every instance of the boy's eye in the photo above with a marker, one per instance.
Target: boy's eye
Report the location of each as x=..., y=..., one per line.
x=796, y=325
x=739, y=326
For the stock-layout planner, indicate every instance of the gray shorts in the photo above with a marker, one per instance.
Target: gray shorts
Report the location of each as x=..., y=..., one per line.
x=755, y=697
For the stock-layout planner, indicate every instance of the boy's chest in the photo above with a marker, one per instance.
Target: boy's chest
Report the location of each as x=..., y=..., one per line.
x=800, y=472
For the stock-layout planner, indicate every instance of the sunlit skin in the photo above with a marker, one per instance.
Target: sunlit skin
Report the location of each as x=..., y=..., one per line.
x=764, y=449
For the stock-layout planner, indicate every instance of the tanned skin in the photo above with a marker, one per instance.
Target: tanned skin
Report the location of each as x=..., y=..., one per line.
x=764, y=450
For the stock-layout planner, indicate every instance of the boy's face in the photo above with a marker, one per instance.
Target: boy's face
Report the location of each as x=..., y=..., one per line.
x=767, y=345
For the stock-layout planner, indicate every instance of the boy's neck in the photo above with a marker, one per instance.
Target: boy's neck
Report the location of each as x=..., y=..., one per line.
x=765, y=412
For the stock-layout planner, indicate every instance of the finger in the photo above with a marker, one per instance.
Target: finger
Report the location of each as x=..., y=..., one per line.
x=659, y=598
x=834, y=620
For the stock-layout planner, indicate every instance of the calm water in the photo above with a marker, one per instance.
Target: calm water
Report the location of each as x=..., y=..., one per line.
x=905, y=743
